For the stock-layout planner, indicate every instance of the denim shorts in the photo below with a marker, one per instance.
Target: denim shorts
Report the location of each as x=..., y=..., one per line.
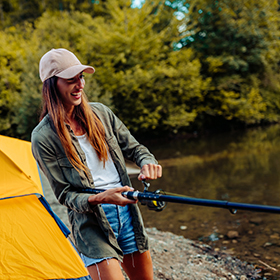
x=121, y=222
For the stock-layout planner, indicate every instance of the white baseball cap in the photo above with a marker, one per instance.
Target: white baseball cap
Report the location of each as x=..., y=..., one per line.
x=61, y=63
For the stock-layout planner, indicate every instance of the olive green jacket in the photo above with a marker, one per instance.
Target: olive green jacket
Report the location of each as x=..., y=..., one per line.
x=90, y=228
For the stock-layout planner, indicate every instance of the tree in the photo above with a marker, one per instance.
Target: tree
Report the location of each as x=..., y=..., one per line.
x=238, y=46
x=10, y=69
x=226, y=67
x=152, y=87
x=13, y=12
x=138, y=74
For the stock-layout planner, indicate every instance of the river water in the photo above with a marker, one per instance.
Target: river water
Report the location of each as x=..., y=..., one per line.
x=237, y=167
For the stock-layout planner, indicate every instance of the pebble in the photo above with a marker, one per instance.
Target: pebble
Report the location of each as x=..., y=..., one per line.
x=213, y=237
x=231, y=276
x=275, y=236
x=232, y=234
x=256, y=220
x=183, y=227
x=267, y=244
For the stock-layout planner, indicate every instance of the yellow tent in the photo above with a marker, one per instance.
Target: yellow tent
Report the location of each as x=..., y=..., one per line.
x=33, y=241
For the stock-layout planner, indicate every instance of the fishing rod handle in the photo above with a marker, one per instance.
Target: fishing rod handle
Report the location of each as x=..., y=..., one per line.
x=131, y=195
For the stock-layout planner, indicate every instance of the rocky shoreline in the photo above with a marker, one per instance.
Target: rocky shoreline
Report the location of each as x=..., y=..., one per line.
x=175, y=257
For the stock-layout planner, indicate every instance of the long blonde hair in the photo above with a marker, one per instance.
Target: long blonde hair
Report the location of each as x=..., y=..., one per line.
x=53, y=106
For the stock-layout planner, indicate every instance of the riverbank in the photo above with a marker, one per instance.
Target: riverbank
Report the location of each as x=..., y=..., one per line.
x=175, y=257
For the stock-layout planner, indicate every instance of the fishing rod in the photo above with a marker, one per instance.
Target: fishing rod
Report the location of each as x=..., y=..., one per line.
x=157, y=201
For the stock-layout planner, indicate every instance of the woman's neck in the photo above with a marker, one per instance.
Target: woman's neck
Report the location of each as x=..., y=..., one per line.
x=76, y=127
x=74, y=124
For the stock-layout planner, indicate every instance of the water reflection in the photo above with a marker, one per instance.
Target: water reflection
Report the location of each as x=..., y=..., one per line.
x=239, y=167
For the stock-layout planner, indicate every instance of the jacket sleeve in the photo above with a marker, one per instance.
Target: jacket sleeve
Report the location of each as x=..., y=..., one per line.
x=65, y=190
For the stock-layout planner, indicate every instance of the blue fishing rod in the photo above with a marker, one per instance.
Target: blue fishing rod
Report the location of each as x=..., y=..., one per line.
x=157, y=201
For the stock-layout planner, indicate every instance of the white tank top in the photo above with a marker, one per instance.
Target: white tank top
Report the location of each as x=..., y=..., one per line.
x=104, y=177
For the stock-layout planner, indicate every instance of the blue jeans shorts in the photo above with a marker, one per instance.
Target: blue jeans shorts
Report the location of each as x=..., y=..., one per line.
x=121, y=222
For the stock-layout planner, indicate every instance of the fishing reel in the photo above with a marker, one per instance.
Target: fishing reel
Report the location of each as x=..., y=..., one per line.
x=153, y=204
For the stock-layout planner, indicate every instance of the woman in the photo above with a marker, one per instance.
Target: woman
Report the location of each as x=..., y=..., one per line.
x=80, y=145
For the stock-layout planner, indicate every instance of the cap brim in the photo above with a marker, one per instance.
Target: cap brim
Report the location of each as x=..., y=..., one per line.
x=75, y=70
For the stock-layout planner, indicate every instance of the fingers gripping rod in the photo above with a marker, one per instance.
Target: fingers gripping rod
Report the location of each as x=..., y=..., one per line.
x=151, y=204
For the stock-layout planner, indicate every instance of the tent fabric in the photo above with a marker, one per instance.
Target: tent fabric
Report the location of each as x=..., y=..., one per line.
x=61, y=225
x=33, y=243
x=25, y=223
x=18, y=173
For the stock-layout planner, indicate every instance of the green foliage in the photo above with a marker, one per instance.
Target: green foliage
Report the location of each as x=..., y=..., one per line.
x=238, y=46
x=227, y=68
x=10, y=69
x=13, y=12
x=151, y=85
x=28, y=107
x=137, y=72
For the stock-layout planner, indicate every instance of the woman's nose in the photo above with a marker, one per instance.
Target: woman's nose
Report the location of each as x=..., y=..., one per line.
x=81, y=82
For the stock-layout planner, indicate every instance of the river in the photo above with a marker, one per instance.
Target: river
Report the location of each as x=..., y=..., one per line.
x=241, y=166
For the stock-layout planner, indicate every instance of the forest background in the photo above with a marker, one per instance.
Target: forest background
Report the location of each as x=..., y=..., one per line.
x=165, y=67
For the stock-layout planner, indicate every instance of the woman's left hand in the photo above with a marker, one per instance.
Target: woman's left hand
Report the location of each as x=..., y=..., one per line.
x=150, y=171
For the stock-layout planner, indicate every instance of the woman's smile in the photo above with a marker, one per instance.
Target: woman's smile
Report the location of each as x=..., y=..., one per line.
x=77, y=94
x=71, y=91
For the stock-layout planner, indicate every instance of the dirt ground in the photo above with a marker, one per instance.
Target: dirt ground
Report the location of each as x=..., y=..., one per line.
x=175, y=257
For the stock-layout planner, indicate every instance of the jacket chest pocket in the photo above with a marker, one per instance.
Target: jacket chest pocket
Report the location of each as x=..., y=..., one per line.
x=69, y=172
x=113, y=146
x=116, y=154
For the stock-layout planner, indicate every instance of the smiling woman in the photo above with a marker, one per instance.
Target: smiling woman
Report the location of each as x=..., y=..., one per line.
x=79, y=146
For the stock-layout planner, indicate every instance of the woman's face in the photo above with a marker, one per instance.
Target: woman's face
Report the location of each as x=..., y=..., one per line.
x=71, y=90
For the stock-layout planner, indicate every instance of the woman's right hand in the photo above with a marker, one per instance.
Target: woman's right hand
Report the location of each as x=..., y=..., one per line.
x=112, y=196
